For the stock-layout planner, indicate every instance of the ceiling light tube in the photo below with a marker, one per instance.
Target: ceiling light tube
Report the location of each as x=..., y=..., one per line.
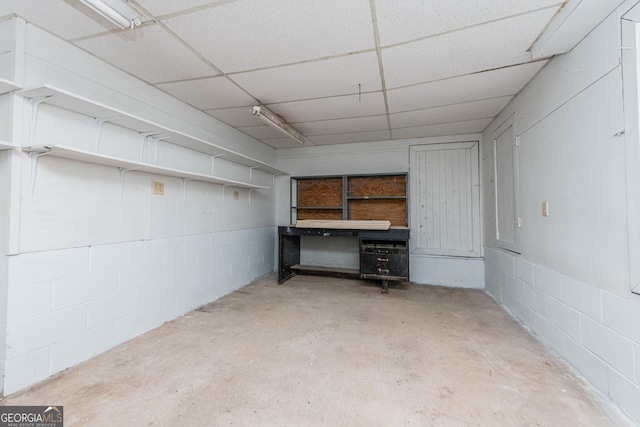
x=115, y=11
x=277, y=122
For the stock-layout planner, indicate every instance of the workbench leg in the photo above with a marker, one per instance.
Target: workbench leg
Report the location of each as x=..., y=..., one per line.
x=385, y=286
x=289, y=254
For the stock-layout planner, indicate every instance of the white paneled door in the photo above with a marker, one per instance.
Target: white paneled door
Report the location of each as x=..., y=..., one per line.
x=445, y=188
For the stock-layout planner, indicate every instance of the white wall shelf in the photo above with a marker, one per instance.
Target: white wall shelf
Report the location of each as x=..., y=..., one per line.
x=7, y=86
x=4, y=145
x=103, y=113
x=125, y=165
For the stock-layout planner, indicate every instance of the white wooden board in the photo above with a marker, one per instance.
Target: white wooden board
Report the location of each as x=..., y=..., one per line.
x=344, y=224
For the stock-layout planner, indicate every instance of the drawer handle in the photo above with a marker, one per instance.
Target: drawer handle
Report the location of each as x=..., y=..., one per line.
x=383, y=271
x=383, y=259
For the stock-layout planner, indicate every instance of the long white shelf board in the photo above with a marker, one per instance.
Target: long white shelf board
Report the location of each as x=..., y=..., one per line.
x=79, y=104
x=7, y=86
x=72, y=153
x=6, y=145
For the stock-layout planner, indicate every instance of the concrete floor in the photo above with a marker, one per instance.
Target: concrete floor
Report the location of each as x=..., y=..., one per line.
x=335, y=352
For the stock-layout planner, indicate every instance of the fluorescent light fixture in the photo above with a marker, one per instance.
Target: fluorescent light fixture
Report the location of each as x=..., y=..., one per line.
x=277, y=122
x=115, y=11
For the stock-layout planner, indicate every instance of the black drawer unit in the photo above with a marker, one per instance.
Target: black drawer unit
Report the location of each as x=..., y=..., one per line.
x=384, y=260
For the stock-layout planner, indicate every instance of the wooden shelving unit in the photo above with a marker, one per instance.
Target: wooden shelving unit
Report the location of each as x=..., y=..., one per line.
x=350, y=197
x=318, y=198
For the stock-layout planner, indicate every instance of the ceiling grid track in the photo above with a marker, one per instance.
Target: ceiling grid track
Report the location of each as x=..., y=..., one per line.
x=190, y=48
x=376, y=35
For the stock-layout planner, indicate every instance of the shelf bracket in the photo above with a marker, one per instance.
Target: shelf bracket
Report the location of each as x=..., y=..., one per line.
x=224, y=186
x=155, y=153
x=35, y=107
x=213, y=164
x=143, y=142
x=34, y=156
x=99, y=122
x=184, y=190
x=251, y=168
x=123, y=171
x=250, y=190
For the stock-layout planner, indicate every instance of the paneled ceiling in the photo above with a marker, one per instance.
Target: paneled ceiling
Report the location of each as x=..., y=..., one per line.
x=339, y=71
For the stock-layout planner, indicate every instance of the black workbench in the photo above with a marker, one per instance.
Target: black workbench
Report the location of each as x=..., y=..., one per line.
x=384, y=254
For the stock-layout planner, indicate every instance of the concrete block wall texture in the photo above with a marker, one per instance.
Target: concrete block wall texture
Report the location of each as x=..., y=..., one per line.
x=68, y=305
x=4, y=268
x=454, y=272
x=594, y=330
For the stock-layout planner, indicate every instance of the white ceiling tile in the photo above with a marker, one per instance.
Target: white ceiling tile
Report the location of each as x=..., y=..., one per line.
x=401, y=21
x=451, y=113
x=279, y=140
x=490, y=84
x=347, y=138
x=237, y=116
x=331, y=77
x=352, y=125
x=261, y=131
x=310, y=117
x=148, y=52
x=286, y=143
x=446, y=129
x=368, y=104
x=485, y=47
x=159, y=8
x=251, y=34
x=209, y=93
x=321, y=129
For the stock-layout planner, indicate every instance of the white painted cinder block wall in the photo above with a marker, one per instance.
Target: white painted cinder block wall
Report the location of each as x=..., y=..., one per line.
x=570, y=282
x=82, y=301
x=369, y=158
x=89, y=263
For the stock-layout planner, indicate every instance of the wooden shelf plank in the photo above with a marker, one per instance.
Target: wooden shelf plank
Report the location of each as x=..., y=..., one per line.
x=72, y=153
x=375, y=197
x=325, y=270
x=339, y=208
x=82, y=105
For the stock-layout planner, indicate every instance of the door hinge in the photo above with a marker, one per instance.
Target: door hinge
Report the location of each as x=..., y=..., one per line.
x=517, y=141
x=519, y=222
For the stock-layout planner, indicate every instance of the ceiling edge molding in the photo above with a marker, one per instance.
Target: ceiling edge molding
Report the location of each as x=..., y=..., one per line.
x=574, y=20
